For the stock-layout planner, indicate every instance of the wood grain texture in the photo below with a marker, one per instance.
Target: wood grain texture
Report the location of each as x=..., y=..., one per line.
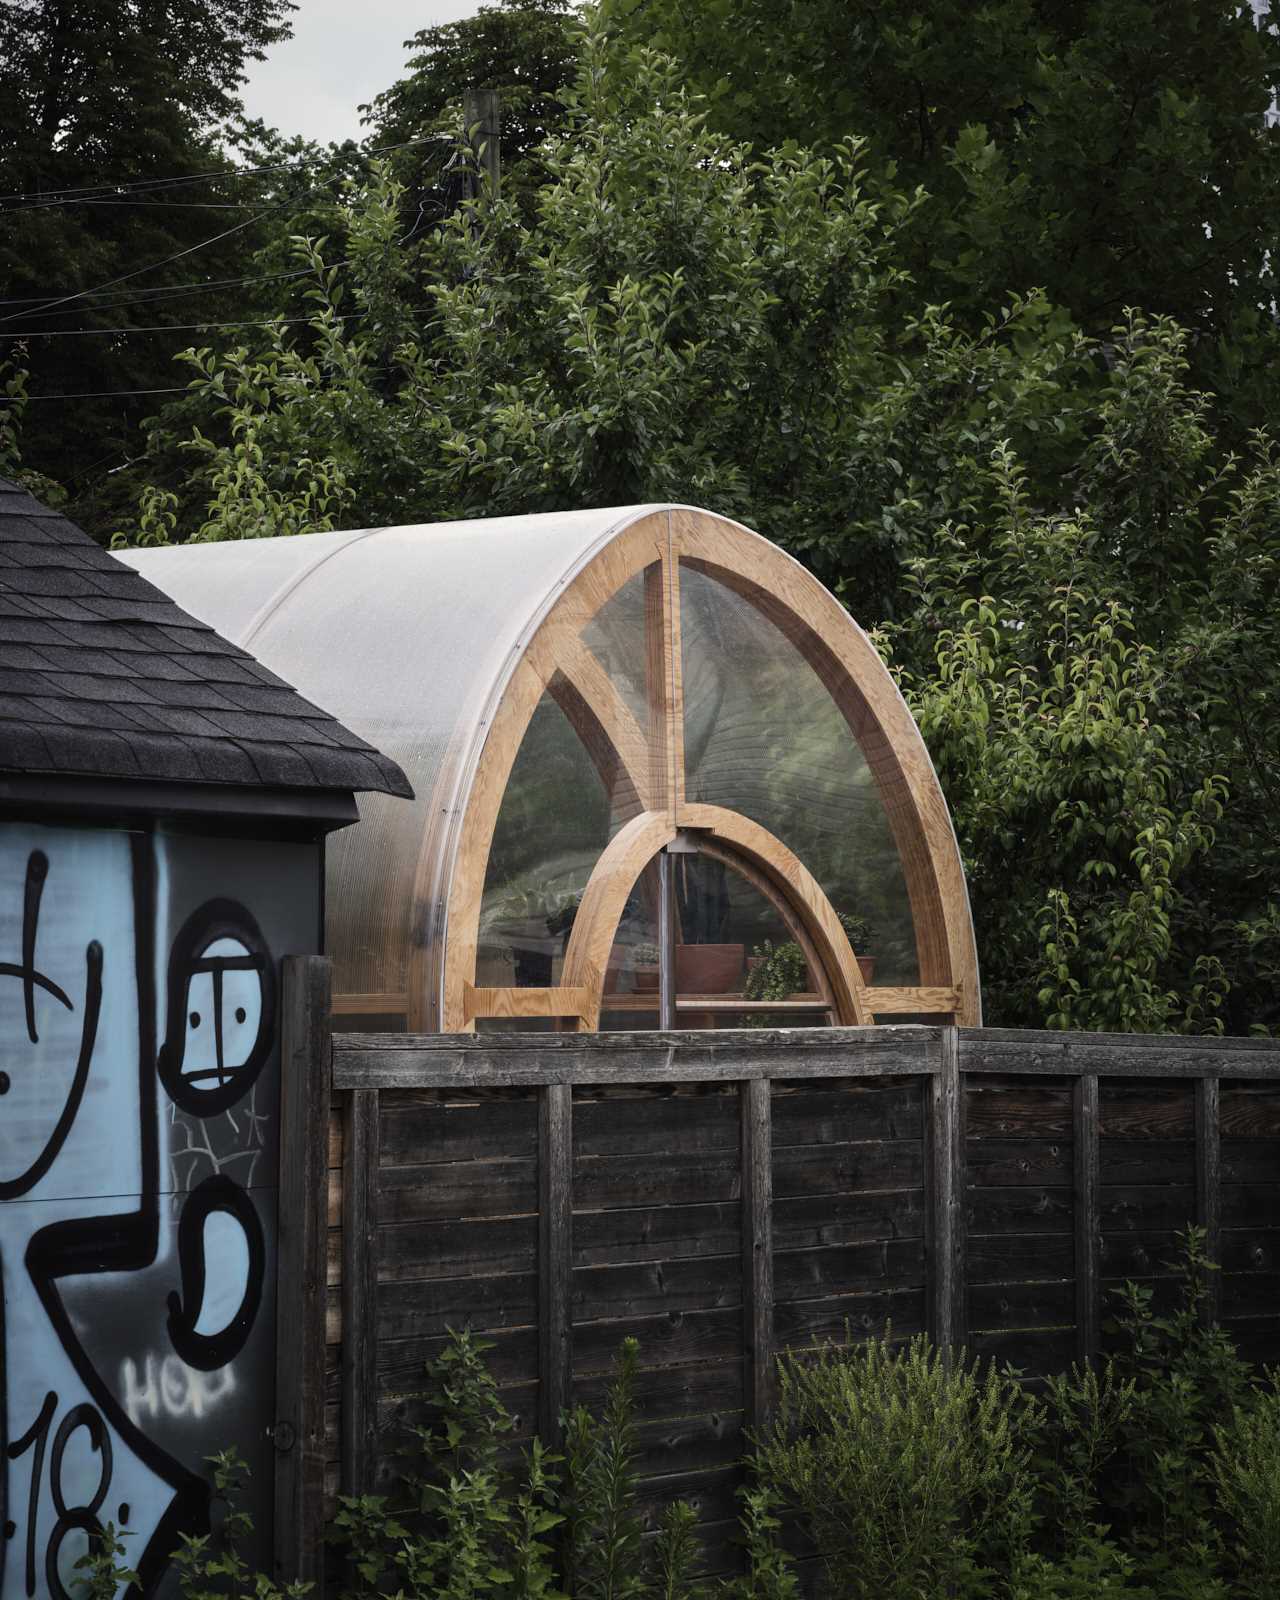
x=564, y=1001
x=878, y=718
x=360, y=1308
x=757, y=1249
x=553, y=658
x=1088, y=1301
x=299, y=1431
x=426, y=1061
x=555, y=1255
x=1209, y=1188
x=790, y=879
x=920, y=1001
x=945, y=1169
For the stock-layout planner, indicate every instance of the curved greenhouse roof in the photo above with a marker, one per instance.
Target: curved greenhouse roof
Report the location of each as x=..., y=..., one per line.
x=661, y=775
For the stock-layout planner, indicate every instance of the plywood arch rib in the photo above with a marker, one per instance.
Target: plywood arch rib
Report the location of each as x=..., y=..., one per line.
x=650, y=758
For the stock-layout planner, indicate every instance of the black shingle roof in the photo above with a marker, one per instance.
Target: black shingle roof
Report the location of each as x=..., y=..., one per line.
x=102, y=675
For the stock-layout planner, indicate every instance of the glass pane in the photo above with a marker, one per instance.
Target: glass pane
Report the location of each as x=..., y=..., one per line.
x=555, y=819
x=733, y=944
x=616, y=637
x=630, y=997
x=764, y=737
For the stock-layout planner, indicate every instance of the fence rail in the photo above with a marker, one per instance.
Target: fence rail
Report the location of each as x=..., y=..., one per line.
x=727, y=1196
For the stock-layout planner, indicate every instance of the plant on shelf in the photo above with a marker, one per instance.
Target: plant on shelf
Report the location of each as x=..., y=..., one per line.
x=645, y=961
x=778, y=971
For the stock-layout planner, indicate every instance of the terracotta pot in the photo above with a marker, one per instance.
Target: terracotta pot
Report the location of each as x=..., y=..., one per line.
x=709, y=968
x=867, y=967
x=646, y=980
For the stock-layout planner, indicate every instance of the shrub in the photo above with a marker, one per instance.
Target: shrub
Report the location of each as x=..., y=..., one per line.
x=911, y=1473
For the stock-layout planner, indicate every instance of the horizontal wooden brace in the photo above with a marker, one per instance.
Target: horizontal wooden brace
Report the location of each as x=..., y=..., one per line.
x=917, y=1001
x=371, y=1005
x=570, y=1002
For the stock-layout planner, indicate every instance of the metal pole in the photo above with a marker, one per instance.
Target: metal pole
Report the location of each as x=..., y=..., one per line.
x=666, y=942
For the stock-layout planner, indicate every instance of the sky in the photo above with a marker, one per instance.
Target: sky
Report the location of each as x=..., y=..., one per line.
x=342, y=53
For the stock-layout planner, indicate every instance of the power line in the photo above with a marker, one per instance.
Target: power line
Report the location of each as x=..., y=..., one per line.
x=51, y=197
x=150, y=267
x=175, y=327
x=161, y=291
x=104, y=394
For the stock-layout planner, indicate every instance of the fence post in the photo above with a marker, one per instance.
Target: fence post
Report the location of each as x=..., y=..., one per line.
x=946, y=1170
x=1084, y=1125
x=360, y=1159
x=555, y=1257
x=300, y=1282
x=1209, y=1189
x=756, y=1103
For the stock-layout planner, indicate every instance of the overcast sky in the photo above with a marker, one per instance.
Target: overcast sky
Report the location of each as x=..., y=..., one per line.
x=343, y=52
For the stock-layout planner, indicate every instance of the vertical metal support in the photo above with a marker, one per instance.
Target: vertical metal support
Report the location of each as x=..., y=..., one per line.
x=756, y=1104
x=1209, y=1189
x=1084, y=1123
x=555, y=1257
x=305, y=1072
x=360, y=1160
x=947, y=1166
x=666, y=941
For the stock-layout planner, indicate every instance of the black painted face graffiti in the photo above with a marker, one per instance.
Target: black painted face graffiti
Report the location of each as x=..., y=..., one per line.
x=221, y=1009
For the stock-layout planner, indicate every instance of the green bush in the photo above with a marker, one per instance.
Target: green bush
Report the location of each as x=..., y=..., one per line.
x=911, y=1473
x=913, y=1476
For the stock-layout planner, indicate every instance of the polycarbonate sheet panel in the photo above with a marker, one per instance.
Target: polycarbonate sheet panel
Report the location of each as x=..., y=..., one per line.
x=616, y=637
x=401, y=633
x=764, y=737
x=555, y=819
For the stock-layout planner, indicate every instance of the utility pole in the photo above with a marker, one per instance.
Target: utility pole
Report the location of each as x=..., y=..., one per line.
x=482, y=127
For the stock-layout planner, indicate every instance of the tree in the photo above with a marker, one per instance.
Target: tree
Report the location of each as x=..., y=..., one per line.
x=1074, y=570
x=523, y=49
x=111, y=112
x=1113, y=153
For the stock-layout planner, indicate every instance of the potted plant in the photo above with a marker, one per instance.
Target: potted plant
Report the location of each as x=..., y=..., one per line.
x=645, y=959
x=777, y=971
x=861, y=936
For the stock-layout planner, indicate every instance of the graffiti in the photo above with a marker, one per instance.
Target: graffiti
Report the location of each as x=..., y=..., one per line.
x=216, y=1197
x=166, y=1387
x=126, y=1299
x=221, y=1009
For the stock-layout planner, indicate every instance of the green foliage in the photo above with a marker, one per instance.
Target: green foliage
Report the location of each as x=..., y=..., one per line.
x=912, y=1473
x=103, y=1566
x=780, y=969
x=1112, y=154
x=100, y=94
x=523, y=49
x=1245, y=1465
x=212, y=1566
x=769, y=1574
x=1072, y=567
x=603, y=1553
x=1186, y=1377
x=1085, y=798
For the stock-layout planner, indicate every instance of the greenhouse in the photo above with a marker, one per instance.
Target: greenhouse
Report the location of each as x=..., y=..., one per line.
x=662, y=779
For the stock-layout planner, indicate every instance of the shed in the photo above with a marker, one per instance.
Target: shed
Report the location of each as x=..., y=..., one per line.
x=649, y=749
x=164, y=805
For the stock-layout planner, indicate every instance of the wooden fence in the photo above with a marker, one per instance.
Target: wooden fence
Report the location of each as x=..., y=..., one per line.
x=723, y=1197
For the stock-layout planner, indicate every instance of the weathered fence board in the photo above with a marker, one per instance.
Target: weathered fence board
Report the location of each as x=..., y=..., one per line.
x=726, y=1197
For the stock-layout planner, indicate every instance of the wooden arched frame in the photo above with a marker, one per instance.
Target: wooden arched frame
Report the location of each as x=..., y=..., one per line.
x=752, y=850
x=651, y=759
